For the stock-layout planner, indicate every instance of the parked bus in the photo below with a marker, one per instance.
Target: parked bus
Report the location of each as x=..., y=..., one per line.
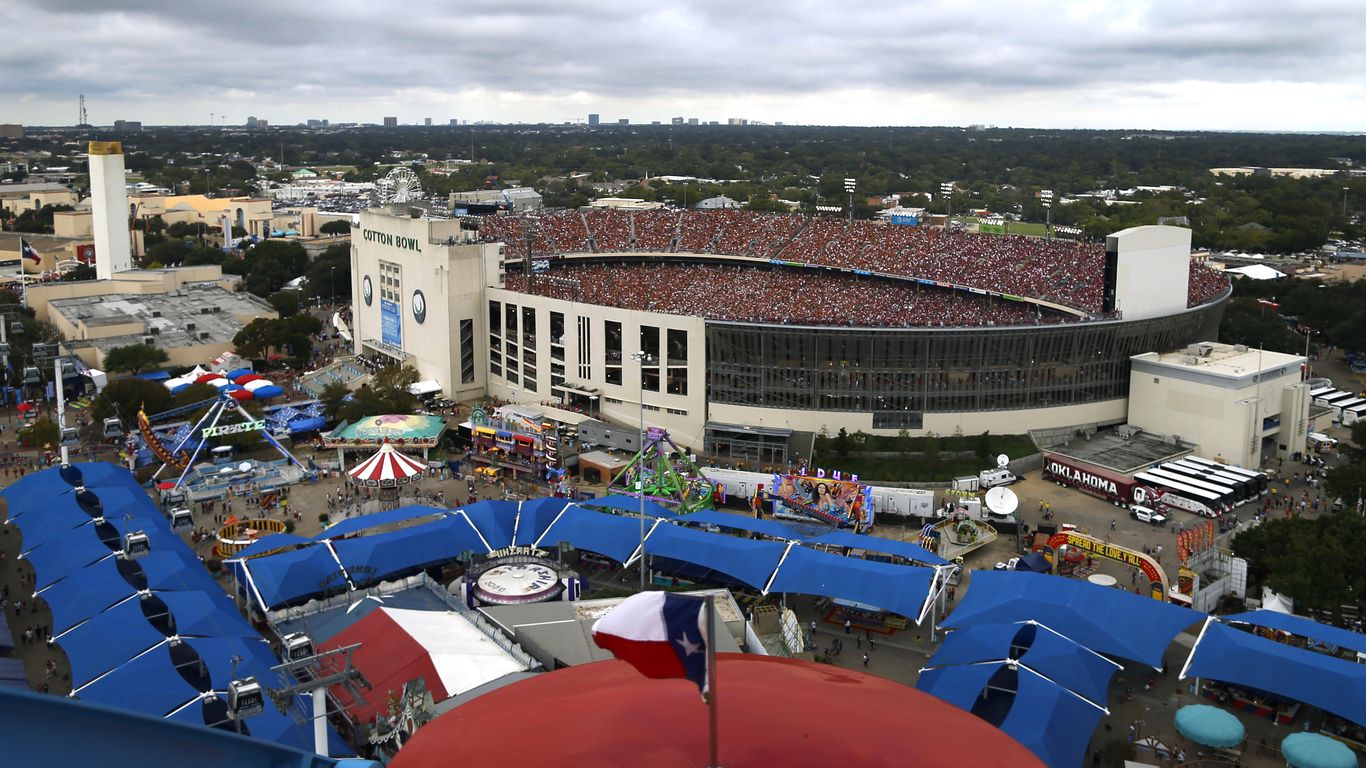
x=1257, y=478
x=1352, y=413
x=1180, y=496
x=1244, y=489
x=1227, y=496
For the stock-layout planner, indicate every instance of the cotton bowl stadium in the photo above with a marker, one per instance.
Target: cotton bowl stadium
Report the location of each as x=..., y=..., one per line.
x=732, y=324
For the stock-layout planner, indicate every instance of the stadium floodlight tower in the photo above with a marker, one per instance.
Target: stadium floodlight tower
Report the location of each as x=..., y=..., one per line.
x=1046, y=196
x=946, y=189
x=849, y=186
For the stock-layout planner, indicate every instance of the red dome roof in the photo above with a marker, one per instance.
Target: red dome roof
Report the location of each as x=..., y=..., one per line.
x=773, y=711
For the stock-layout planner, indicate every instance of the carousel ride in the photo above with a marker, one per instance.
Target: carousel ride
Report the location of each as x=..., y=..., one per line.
x=664, y=473
x=387, y=470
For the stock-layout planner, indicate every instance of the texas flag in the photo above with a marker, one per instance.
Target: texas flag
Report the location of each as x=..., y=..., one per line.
x=29, y=252
x=660, y=634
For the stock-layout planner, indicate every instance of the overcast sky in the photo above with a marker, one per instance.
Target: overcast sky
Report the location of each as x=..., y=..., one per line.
x=1212, y=64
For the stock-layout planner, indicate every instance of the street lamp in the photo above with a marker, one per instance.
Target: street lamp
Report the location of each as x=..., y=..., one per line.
x=642, y=358
x=849, y=185
x=1344, y=202
x=1047, y=197
x=333, y=284
x=946, y=189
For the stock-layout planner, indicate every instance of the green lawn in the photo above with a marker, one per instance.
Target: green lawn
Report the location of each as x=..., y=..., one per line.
x=914, y=465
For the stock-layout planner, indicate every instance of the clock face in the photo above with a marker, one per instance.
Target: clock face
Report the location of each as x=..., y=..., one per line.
x=367, y=290
x=419, y=306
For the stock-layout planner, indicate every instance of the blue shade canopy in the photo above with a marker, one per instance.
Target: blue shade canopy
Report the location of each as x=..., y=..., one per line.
x=611, y=535
x=369, y=559
x=771, y=528
x=1304, y=627
x=1109, y=621
x=1210, y=726
x=148, y=683
x=202, y=613
x=534, y=517
x=1051, y=722
x=959, y=686
x=288, y=576
x=629, y=505
x=494, y=519
x=745, y=560
x=73, y=600
x=904, y=549
x=376, y=519
x=56, y=522
x=1313, y=750
x=107, y=641
x=901, y=589
x=1233, y=656
x=56, y=560
x=1067, y=664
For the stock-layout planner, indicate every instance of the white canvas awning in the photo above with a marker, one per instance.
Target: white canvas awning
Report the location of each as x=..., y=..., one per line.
x=428, y=387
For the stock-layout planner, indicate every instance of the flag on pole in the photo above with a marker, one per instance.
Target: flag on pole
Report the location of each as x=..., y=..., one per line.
x=29, y=252
x=661, y=634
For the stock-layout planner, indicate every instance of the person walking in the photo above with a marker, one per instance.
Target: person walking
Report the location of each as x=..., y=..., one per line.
x=848, y=626
x=865, y=659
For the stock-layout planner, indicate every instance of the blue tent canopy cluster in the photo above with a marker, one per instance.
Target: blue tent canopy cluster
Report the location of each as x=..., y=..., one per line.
x=152, y=634
x=312, y=568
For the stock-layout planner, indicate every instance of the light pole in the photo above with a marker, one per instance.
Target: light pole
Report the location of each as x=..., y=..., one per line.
x=642, y=358
x=333, y=282
x=849, y=186
x=1047, y=197
x=946, y=189
x=1344, y=202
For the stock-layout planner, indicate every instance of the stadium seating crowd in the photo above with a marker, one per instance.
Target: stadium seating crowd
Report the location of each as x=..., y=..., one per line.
x=1062, y=271
x=779, y=295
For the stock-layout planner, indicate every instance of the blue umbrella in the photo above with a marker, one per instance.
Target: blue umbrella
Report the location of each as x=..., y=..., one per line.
x=1312, y=750
x=1210, y=726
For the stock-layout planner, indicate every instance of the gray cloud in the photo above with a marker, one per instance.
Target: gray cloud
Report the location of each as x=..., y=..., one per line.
x=526, y=60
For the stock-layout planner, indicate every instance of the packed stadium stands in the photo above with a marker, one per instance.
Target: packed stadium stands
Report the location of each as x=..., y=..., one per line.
x=1061, y=271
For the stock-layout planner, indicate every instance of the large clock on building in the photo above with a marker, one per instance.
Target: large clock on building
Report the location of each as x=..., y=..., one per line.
x=419, y=306
x=367, y=290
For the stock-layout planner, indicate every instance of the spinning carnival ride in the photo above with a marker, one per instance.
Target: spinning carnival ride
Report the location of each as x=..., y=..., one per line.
x=181, y=456
x=669, y=476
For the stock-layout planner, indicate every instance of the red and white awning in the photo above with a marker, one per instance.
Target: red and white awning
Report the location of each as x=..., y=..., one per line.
x=387, y=468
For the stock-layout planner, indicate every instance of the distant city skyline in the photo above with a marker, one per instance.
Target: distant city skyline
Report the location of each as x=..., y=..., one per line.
x=1220, y=65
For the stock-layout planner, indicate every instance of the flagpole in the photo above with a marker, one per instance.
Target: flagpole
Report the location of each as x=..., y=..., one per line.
x=712, y=718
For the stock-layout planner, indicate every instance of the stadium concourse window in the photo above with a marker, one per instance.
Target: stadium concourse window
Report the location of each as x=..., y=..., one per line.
x=649, y=345
x=936, y=370
x=529, y=327
x=898, y=420
x=467, y=351
x=557, y=336
x=676, y=358
x=495, y=338
x=585, y=347
x=612, y=336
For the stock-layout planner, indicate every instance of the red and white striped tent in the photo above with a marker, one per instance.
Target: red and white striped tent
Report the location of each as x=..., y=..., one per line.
x=386, y=469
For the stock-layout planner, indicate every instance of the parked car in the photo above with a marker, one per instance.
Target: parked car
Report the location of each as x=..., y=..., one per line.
x=1146, y=515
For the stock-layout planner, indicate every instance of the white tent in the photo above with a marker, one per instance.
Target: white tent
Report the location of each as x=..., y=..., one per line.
x=1256, y=272
x=1278, y=603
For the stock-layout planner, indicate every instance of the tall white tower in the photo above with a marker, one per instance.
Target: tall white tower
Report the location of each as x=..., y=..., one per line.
x=109, y=209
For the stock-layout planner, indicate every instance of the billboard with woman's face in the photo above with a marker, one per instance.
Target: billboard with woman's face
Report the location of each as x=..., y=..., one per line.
x=836, y=502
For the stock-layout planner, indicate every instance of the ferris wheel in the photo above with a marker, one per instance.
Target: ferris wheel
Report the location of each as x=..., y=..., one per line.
x=400, y=185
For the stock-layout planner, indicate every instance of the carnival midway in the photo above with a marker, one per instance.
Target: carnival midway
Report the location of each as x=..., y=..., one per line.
x=369, y=588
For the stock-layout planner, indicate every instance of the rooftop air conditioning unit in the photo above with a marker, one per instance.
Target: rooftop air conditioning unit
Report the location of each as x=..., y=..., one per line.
x=1239, y=347
x=204, y=335
x=1206, y=349
x=189, y=326
x=149, y=340
x=207, y=310
x=156, y=313
x=1192, y=349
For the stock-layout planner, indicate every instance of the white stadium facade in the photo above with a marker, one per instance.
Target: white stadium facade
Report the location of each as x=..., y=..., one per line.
x=776, y=324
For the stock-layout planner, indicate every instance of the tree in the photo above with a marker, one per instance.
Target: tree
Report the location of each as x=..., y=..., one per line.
x=329, y=275
x=387, y=392
x=1313, y=561
x=134, y=358
x=336, y=227
x=285, y=302
x=122, y=398
x=80, y=272
x=332, y=397
x=40, y=434
x=291, y=335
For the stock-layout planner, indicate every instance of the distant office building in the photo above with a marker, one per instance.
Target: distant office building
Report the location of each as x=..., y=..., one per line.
x=593, y=120
x=315, y=123
x=252, y=122
x=737, y=121
x=391, y=122
x=11, y=131
x=427, y=121
x=654, y=122
x=676, y=121
x=624, y=121
x=128, y=125
x=454, y=121
x=692, y=121
x=262, y=123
